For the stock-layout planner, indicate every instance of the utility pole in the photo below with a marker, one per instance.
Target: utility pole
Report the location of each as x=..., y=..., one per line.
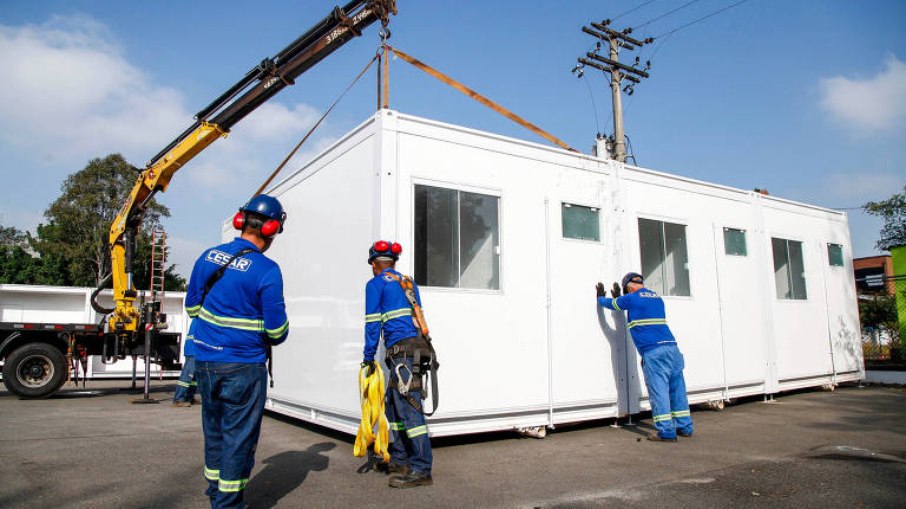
x=618, y=72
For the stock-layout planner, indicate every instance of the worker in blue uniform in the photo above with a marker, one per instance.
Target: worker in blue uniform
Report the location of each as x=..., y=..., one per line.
x=235, y=295
x=388, y=314
x=186, y=386
x=662, y=362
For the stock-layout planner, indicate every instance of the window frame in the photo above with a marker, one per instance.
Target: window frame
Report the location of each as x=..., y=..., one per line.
x=597, y=208
x=462, y=188
x=802, y=250
x=745, y=241
x=830, y=262
x=688, y=262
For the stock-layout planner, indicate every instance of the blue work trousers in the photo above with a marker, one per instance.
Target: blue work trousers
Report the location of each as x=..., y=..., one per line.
x=186, y=385
x=410, y=444
x=663, y=368
x=232, y=405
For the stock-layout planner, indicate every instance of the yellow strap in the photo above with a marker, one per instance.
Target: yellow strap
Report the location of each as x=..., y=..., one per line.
x=480, y=98
x=310, y=131
x=371, y=392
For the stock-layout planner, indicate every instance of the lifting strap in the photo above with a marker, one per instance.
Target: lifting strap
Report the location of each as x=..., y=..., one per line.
x=314, y=127
x=371, y=393
x=478, y=97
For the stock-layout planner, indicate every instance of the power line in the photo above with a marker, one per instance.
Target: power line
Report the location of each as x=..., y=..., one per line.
x=671, y=32
x=632, y=10
x=593, y=105
x=652, y=20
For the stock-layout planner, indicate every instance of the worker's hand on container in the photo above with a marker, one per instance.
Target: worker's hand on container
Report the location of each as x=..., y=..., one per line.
x=615, y=291
x=600, y=291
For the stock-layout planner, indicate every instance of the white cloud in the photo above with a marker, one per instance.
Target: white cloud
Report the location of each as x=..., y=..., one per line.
x=874, y=104
x=856, y=188
x=76, y=96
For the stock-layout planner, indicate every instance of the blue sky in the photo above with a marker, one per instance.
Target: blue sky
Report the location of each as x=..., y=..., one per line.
x=804, y=98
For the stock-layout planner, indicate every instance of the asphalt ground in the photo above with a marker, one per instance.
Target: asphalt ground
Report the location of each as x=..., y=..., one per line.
x=90, y=448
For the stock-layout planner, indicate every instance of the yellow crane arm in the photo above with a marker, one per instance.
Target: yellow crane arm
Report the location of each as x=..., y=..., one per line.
x=153, y=179
x=258, y=85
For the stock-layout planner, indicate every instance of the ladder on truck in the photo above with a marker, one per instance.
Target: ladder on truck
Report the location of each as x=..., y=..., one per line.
x=158, y=264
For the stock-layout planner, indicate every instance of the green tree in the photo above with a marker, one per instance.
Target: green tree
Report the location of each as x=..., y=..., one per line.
x=893, y=211
x=75, y=240
x=18, y=264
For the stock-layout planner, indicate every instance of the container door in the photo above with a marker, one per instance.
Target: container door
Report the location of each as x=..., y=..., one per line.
x=741, y=314
x=587, y=344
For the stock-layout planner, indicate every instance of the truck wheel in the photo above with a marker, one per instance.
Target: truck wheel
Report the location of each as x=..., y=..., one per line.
x=35, y=370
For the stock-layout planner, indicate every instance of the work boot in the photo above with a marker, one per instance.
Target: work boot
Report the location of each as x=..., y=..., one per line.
x=657, y=438
x=412, y=480
x=181, y=403
x=394, y=468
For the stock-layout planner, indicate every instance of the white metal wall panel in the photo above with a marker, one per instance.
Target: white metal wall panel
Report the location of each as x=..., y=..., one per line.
x=801, y=335
x=322, y=253
x=538, y=351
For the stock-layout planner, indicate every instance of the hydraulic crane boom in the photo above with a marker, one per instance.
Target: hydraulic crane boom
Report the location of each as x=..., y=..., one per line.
x=258, y=85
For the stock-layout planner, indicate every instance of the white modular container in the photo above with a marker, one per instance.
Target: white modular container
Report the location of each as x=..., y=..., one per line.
x=507, y=239
x=68, y=304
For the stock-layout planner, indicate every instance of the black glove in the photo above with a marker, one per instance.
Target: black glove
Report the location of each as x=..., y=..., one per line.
x=599, y=289
x=371, y=367
x=615, y=291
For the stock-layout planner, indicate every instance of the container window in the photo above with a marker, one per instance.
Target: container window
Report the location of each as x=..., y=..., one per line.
x=456, y=239
x=835, y=255
x=735, y=242
x=580, y=222
x=665, y=260
x=789, y=269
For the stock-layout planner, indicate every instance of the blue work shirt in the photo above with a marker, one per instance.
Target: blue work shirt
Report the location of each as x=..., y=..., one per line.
x=243, y=312
x=387, y=310
x=646, y=317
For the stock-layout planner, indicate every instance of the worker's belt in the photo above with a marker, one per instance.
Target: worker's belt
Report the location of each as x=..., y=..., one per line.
x=424, y=362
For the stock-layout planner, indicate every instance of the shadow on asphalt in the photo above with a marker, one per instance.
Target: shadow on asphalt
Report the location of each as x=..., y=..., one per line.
x=284, y=472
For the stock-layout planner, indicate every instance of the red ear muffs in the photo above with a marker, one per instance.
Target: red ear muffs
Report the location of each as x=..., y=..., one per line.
x=381, y=246
x=270, y=228
x=396, y=248
x=239, y=220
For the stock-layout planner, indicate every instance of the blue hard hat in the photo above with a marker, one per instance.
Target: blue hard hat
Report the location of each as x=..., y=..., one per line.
x=632, y=277
x=385, y=249
x=267, y=206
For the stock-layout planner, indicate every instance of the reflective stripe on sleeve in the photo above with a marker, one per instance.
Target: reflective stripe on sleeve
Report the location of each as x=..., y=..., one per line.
x=375, y=317
x=279, y=331
x=615, y=305
x=193, y=311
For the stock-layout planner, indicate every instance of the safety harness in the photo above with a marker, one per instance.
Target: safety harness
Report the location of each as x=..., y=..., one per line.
x=213, y=279
x=420, y=349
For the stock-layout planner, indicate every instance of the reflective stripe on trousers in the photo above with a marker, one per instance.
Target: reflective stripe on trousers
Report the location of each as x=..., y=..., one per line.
x=410, y=444
x=233, y=396
x=663, y=368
